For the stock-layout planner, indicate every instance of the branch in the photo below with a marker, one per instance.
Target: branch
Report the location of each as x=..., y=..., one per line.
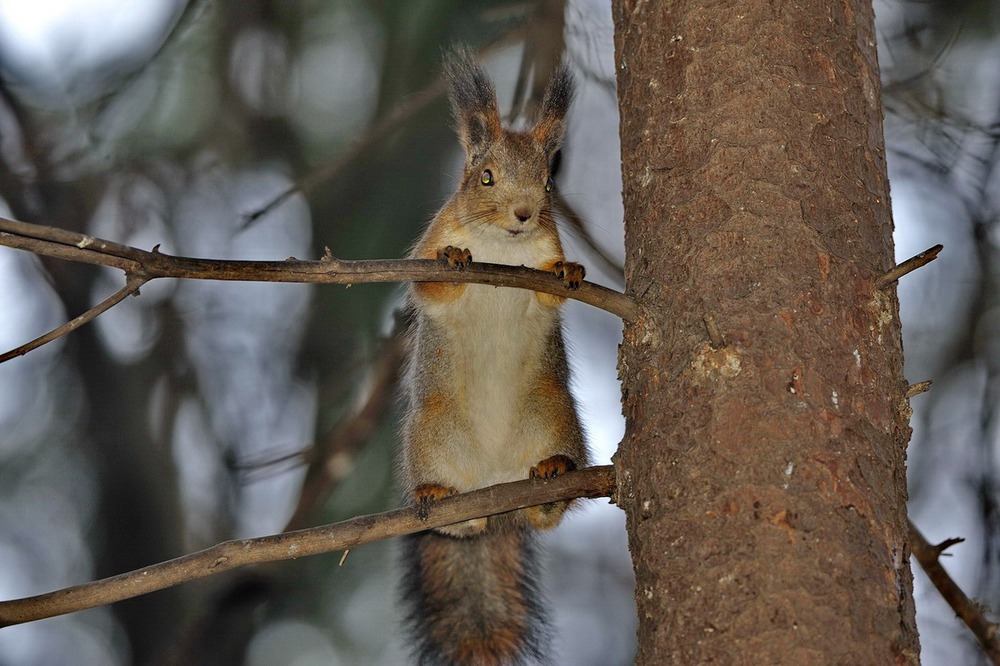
x=591, y=482
x=908, y=266
x=970, y=612
x=132, y=285
x=141, y=266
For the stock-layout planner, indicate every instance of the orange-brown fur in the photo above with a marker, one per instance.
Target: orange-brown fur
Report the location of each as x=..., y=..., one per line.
x=488, y=384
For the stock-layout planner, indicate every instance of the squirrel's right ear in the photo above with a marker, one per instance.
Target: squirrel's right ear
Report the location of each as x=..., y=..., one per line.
x=474, y=101
x=551, y=125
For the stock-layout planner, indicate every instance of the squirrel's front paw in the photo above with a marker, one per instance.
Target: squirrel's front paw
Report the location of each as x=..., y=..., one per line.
x=570, y=272
x=552, y=467
x=455, y=257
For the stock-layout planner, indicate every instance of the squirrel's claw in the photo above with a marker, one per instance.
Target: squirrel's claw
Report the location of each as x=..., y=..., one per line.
x=455, y=257
x=570, y=272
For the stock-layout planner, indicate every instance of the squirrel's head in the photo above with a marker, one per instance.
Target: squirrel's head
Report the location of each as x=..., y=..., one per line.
x=507, y=179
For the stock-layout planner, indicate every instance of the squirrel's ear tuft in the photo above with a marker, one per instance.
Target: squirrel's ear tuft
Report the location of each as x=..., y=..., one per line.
x=551, y=126
x=474, y=102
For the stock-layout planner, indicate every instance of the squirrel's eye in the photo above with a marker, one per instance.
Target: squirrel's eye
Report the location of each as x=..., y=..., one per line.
x=487, y=178
x=549, y=184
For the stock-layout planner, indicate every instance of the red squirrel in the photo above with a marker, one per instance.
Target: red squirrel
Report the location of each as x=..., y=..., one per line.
x=487, y=385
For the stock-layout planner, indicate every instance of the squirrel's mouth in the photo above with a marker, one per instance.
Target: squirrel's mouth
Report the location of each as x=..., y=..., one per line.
x=514, y=232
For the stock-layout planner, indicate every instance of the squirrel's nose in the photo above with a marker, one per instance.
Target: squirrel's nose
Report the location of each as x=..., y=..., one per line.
x=523, y=213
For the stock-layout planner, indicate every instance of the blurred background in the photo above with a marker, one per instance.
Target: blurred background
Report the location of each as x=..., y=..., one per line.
x=201, y=411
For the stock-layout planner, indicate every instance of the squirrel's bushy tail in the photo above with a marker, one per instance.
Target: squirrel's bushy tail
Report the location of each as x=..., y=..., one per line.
x=474, y=600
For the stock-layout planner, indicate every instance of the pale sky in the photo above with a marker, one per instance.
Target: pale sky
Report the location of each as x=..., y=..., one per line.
x=52, y=38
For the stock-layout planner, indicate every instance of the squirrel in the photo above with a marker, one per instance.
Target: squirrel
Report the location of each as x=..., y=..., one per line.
x=487, y=385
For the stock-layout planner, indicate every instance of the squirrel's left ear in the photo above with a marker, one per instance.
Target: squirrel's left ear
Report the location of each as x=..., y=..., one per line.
x=474, y=101
x=551, y=125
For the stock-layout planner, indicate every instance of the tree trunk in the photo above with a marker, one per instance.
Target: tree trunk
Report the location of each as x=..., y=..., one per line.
x=763, y=471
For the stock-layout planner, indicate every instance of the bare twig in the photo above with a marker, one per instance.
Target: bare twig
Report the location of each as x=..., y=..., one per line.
x=714, y=334
x=132, y=285
x=908, y=266
x=72, y=238
x=142, y=266
x=970, y=612
x=590, y=482
x=918, y=388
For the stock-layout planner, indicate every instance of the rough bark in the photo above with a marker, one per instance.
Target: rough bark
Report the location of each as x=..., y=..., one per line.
x=764, y=477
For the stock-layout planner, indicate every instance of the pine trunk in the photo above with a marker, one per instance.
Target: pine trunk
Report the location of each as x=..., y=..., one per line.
x=763, y=471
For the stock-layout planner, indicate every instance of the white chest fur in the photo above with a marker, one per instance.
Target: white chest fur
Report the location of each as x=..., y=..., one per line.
x=497, y=339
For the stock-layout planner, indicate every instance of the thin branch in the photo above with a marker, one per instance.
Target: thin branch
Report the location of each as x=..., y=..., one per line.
x=329, y=270
x=62, y=251
x=918, y=388
x=908, y=266
x=132, y=285
x=970, y=612
x=72, y=238
x=143, y=266
x=591, y=482
x=715, y=336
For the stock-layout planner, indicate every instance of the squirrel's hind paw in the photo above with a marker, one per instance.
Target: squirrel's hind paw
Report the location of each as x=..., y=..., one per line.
x=427, y=493
x=547, y=516
x=570, y=272
x=424, y=497
x=455, y=257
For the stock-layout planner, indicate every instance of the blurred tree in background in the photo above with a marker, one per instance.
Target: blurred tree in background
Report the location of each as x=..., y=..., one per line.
x=198, y=411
